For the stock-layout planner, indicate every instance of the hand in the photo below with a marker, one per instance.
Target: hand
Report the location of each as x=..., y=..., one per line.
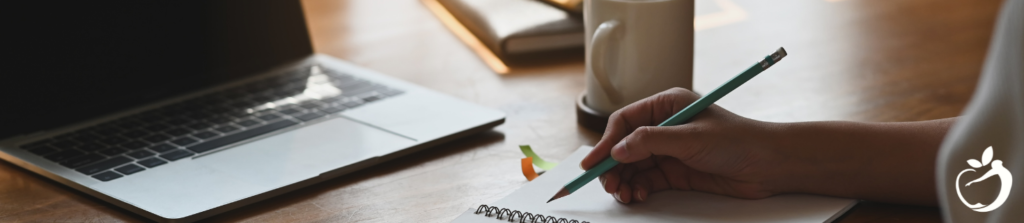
x=716, y=151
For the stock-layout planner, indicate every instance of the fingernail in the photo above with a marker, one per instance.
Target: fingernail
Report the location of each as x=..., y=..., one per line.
x=602, y=180
x=639, y=194
x=621, y=150
x=618, y=198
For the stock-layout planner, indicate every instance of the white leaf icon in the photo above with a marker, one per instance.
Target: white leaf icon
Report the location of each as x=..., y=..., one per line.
x=986, y=157
x=974, y=163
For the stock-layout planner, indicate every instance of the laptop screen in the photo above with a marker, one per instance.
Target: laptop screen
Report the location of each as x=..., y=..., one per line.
x=83, y=59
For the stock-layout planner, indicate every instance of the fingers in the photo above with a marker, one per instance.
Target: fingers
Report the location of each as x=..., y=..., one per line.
x=610, y=179
x=636, y=185
x=630, y=182
x=653, y=140
x=649, y=111
x=647, y=182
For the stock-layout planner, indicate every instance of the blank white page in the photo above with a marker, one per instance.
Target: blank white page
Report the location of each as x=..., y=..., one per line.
x=592, y=204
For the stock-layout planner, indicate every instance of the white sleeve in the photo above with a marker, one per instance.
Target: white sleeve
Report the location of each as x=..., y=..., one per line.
x=994, y=118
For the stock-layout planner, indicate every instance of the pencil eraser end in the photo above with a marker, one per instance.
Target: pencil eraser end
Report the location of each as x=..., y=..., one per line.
x=781, y=53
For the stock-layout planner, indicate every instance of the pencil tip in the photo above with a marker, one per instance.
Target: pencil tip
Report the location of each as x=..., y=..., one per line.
x=560, y=194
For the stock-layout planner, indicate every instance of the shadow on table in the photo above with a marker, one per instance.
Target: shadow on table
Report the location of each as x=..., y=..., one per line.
x=544, y=59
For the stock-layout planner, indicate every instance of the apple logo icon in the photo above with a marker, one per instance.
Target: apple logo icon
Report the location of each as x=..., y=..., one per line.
x=998, y=170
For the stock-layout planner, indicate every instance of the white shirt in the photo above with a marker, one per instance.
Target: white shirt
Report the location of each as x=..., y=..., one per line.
x=975, y=183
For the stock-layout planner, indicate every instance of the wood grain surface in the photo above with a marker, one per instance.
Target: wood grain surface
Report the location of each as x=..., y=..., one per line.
x=861, y=60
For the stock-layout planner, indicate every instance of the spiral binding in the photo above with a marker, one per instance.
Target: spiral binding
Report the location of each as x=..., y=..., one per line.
x=524, y=217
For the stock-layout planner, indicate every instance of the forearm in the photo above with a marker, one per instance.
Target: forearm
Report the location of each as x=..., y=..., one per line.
x=888, y=162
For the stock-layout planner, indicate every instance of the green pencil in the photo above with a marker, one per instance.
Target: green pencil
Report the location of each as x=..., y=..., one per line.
x=679, y=118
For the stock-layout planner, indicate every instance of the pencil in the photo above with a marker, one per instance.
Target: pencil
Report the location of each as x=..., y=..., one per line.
x=679, y=118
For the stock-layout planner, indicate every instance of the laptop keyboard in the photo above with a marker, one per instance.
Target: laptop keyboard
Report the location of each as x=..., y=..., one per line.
x=156, y=137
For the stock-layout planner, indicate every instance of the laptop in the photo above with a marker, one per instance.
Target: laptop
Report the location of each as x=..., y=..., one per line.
x=180, y=110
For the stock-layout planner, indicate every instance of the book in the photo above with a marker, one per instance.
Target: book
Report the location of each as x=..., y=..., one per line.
x=574, y=6
x=512, y=27
x=592, y=204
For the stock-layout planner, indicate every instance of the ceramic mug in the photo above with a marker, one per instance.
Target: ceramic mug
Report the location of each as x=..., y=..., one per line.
x=635, y=49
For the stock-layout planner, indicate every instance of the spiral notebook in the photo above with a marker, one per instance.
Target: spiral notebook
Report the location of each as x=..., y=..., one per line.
x=592, y=204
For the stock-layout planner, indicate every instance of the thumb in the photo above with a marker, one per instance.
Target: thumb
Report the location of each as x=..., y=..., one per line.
x=656, y=140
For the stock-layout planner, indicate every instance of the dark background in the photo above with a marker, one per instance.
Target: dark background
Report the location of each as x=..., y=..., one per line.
x=68, y=61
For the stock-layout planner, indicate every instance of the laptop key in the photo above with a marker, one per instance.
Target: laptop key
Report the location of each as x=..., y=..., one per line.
x=112, y=151
x=311, y=105
x=248, y=123
x=162, y=148
x=199, y=115
x=140, y=154
x=113, y=140
x=205, y=135
x=269, y=117
x=104, y=165
x=199, y=126
x=358, y=90
x=178, y=121
x=65, y=144
x=151, y=162
x=371, y=98
x=178, y=132
x=238, y=114
x=64, y=155
x=310, y=116
x=82, y=161
x=156, y=138
x=184, y=141
x=135, y=134
x=291, y=111
x=351, y=84
x=176, y=155
x=243, y=135
x=86, y=138
x=107, y=176
x=353, y=103
x=89, y=147
x=226, y=129
x=43, y=150
x=133, y=145
x=129, y=169
x=333, y=108
x=220, y=120
x=331, y=99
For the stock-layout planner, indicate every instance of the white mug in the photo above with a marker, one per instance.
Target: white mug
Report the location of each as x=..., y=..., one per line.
x=635, y=49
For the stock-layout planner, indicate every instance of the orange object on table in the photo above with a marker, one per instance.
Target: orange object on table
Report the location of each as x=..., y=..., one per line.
x=528, y=169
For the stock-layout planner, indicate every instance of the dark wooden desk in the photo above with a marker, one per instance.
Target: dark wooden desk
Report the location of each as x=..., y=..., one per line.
x=863, y=60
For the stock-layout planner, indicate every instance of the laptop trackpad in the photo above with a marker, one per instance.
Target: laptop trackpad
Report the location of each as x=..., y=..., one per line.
x=305, y=152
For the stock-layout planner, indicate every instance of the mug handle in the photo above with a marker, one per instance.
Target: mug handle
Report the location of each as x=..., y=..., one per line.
x=598, y=46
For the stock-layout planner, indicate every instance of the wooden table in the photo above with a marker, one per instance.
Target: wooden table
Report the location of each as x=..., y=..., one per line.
x=862, y=60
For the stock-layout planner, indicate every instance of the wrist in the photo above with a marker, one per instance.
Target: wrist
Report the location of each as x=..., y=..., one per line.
x=802, y=159
x=776, y=142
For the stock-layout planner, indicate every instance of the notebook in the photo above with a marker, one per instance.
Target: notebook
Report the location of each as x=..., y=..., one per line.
x=592, y=204
x=510, y=27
